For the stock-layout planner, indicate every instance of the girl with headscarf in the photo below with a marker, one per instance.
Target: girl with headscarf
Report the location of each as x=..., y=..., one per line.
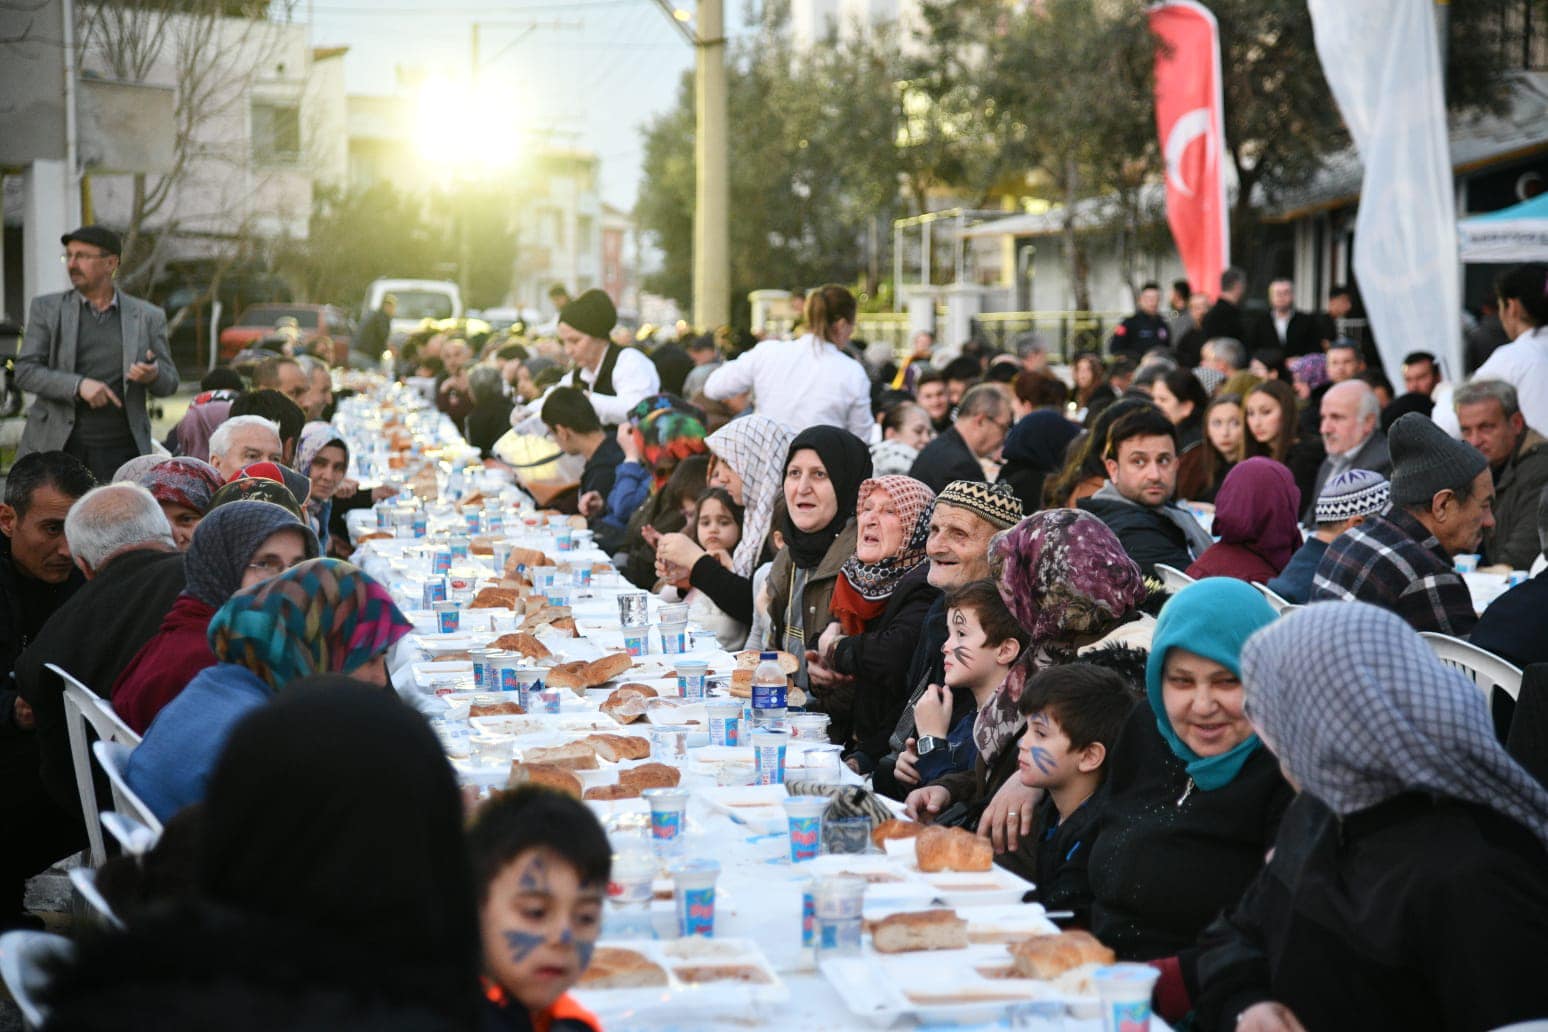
x=1191, y=801
x=185, y=489
x=323, y=616
x=331, y=886
x=235, y=547
x=1034, y=451
x=1255, y=521
x=1408, y=885
x=1068, y=582
x=323, y=456
x=879, y=603
x=824, y=469
x=747, y=456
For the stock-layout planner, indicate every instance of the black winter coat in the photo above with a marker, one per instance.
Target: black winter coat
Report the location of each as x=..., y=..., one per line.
x=879, y=659
x=1146, y=535
x=946, y=459
x=1418, y=913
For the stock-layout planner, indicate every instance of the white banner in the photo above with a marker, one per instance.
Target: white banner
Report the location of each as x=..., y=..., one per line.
x=1381, y=61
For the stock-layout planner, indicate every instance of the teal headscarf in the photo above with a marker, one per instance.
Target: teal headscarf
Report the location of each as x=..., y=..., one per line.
x=1212, y=618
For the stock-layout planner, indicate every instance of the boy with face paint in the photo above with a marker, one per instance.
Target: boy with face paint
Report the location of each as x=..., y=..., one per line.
x=1074, y=714
x=542, y=863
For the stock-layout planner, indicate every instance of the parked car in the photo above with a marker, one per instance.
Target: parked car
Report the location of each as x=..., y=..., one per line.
x=327, y=324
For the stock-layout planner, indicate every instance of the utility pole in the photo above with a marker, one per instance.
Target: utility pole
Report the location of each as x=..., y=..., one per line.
x=712, y=193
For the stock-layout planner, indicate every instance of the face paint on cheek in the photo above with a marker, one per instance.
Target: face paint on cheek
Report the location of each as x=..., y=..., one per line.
x=521, y=944
x=584, y=950
x=962, y=654
x=1043, y=760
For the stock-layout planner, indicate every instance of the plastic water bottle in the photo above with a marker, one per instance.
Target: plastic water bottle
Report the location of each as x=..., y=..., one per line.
x=768, y=692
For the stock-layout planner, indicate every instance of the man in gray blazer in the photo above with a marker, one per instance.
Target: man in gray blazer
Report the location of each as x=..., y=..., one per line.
x=90, y=355
x=1349, y=434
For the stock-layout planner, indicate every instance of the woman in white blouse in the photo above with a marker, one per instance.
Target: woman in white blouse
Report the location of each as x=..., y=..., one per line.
x=808, y=381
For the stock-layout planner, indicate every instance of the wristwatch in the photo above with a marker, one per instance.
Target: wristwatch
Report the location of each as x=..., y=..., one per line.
x=928, y=744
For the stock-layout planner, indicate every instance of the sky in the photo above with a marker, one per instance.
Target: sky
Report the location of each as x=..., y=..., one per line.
x=590, y=72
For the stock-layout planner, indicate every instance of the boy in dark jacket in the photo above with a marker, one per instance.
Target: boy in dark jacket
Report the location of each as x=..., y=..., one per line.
x=1074, y=714
x=541, y=863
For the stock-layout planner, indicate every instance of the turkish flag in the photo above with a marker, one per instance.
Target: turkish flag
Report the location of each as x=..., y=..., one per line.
x=1190, y=118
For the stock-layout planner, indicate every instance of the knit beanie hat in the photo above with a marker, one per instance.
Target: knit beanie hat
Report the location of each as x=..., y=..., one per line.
x=996, y=503
x=1426, y=460
x=1354, y=492
x=592, y=314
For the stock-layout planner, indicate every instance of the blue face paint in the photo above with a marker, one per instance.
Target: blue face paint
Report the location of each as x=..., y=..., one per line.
x=584, y=950
x=521, y=944
x=1043, y=760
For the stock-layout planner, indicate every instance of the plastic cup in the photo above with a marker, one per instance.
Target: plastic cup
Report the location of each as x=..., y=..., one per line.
x=448, y=617
x=440, y=560
x=419, y=523
x=693, y=884
x=507, y=668
x=529, y=679
x=491, y=750
x=673, y=612
x=634, y=609
x=459, y=547
x=669, y=742
x=483, y=680
x=674, y=638
x=804, y=814
x=847, y=835
x=551, y=698
x=724, y=721
x=1466, y=563
x=630, y=883
x=809, y=727
x=691, y=675
x=558, y=593
x=434, y=591
x=543, y=576
x=668, y=813
x=580, y=576
x=636, y=641
x=1124, y=990
x=769, y=755
x=822, y=762
x=703, y=641
x=838, y=902
x=502, y=553
x=472, y=519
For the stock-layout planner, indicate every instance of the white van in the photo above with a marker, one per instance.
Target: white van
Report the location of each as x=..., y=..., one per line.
x=418, y=300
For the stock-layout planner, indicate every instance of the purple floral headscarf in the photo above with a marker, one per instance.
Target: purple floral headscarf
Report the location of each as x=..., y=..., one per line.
x=1312, y=370
x=1068, y=582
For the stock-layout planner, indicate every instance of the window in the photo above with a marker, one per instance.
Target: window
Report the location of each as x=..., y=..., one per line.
x=276, y=133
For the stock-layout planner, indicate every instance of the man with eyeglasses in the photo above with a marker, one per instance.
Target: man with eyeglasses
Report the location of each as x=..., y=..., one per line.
x=90, y=355
x=983, y=419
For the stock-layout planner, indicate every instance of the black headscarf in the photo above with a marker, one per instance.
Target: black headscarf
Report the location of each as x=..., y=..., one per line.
x=333, y=808
x=848, y=462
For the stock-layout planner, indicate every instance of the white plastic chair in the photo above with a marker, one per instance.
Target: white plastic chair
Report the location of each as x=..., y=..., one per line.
x=1279, y=602
x=1539, y=564
x=134, y=838
x=114, y=757
x=82, y=706
x=23, y=956
x=1480, y=666
x=1172, y=579
x=85, y=881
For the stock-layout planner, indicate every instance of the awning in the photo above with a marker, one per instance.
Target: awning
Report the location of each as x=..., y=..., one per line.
x=1515, y=234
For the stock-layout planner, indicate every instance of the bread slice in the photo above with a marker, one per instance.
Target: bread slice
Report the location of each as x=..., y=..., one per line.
x=649, y=775
x=1049, y=956
x=525, y=558
x=615, y=968
x=566, y=624
x=571, y=755
x=572, y=675
x=895, y=830
x=495, y=709
x=952, y=849
x=526, y=644
x=925, y=930
x=627, y=704
x=619, y=747
x=494, y=598
x=545, y=775
x=605, y=792
x=609, y=667
x=748, y=659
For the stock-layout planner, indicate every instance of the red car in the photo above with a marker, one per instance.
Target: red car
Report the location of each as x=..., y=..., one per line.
x=316, y=321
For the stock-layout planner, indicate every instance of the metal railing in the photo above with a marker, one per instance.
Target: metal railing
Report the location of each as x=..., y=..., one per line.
x=1065, y=332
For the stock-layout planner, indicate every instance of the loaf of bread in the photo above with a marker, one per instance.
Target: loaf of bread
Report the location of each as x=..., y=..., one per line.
x=952, y=849
x=607, y=792
x=495, y=709
x=619, y=747
x=571, y=756
x=627, y=704
x=926, y=930
x=566, y=624
x=546, y=775
x=494, y=598
x=649, y=775
x=524, y=559
x=1049, y=956
x=609, y=667
x=570, y=675
x=615, y=968
x=520, y=641
x=747, y=662
x=895, y=830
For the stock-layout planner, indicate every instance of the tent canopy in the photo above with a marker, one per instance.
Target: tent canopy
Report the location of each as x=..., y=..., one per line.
x=1515, y=234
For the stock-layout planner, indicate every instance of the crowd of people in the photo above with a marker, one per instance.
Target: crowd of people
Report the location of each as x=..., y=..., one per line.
x=968, y=564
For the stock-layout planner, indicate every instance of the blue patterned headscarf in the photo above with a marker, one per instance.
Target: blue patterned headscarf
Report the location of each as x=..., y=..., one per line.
x=321, y=616
x=1212, y=618
x=1358, y=709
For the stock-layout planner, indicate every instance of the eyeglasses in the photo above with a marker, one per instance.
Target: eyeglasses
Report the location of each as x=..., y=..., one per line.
x=76, y=256
x=272, y=567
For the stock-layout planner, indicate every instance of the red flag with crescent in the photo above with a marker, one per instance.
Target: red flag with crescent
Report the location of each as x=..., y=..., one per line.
x=1190, y=118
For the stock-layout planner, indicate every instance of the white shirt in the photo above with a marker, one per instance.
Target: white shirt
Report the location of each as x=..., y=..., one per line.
x=634, y=379
x=1523, y=363
x=800, y=383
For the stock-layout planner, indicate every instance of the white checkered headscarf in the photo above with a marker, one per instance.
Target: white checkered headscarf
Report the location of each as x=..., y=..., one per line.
x=754, y=447
x=1359, y=710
